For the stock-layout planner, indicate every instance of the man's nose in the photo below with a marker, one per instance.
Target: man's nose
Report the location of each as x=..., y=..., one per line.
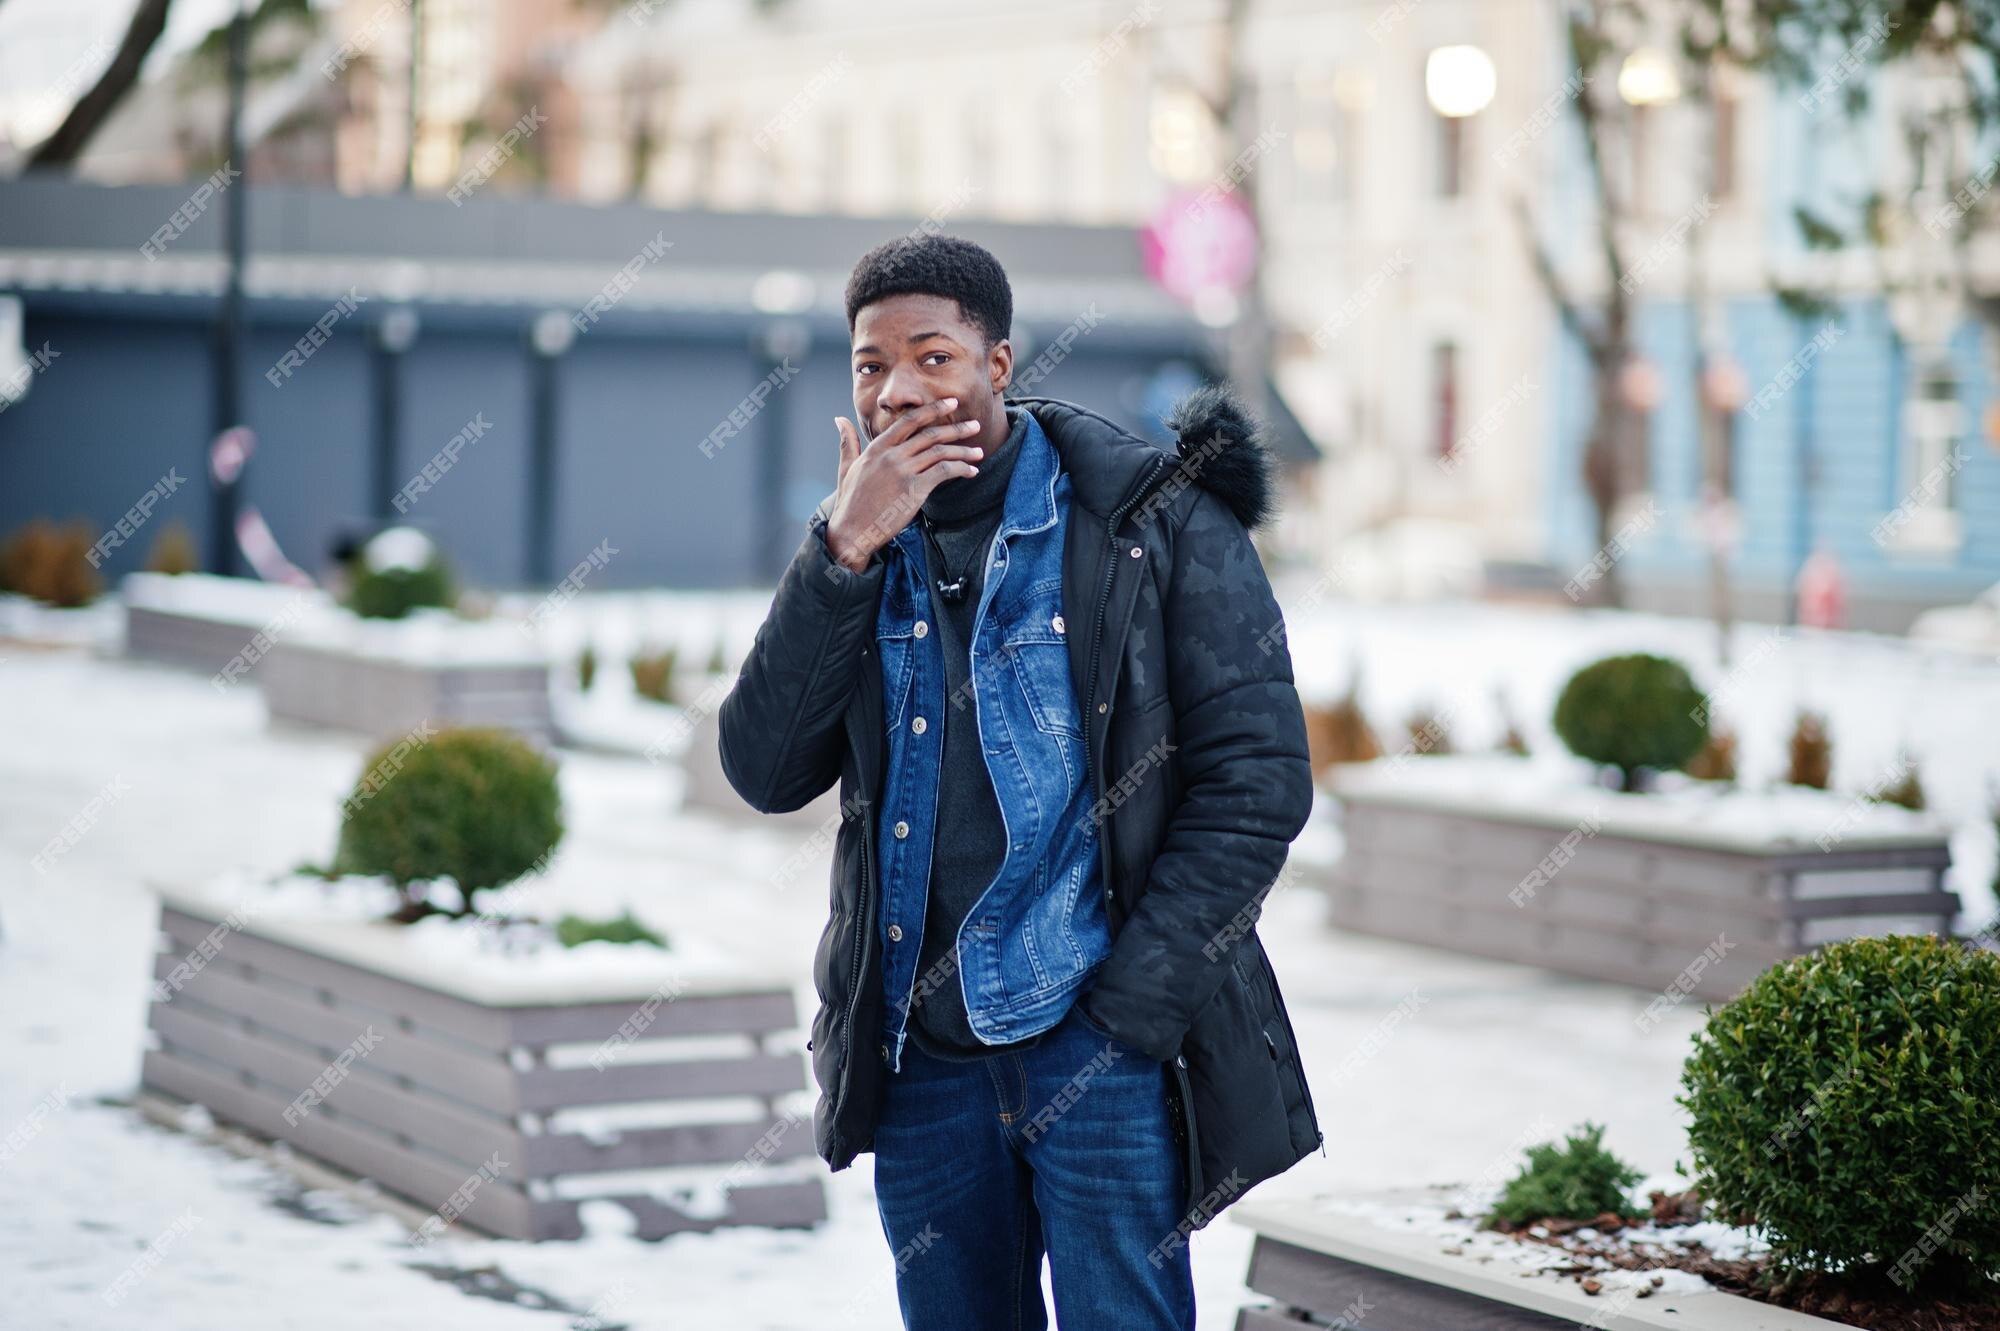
x=901, y=392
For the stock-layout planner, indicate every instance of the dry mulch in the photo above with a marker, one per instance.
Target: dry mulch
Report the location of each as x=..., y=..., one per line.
x=1876, y=1307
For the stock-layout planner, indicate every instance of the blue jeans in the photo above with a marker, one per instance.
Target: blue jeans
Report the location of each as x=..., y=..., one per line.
x=982, y=1165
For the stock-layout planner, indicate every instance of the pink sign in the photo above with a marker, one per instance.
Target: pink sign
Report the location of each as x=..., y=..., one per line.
x=231, y=449
x=1200, y=242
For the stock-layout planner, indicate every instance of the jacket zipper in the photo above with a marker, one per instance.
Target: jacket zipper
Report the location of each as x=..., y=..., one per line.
x=862, y=928
x=1191, y=1148
x=1104, y=597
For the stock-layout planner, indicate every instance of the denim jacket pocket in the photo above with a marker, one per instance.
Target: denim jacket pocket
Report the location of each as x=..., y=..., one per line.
x=899, y=663
x=1036, y=645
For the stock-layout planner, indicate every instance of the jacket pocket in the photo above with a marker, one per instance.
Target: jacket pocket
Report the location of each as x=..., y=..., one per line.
x=1187, y=1135
x=898, y=651
x=1035, y=643
x=1243, y=1084
x=1283, y=1043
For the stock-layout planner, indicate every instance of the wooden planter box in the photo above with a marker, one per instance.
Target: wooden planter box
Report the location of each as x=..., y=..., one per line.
x=201, y=622
x=1627, y=901
x=381, y=692
x=252, y=1011
x=1320, y=1268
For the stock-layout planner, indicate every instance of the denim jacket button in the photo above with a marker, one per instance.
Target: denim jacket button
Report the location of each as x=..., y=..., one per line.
x=902, y=829
x=1057, y=624
x=895, y=933
x=920, y=725
x=921, y=629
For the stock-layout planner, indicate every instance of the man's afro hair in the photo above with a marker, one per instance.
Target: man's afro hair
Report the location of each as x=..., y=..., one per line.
x=935, y=265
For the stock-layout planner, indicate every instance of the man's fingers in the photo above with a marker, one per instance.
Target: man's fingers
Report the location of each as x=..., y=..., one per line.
x=943, y=472
x=911, y=423
x=850, y=447
x=956, y=432
x=937, y=453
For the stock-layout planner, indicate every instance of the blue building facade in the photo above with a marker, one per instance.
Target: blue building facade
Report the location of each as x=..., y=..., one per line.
x=1827, y=458
x=645, y=427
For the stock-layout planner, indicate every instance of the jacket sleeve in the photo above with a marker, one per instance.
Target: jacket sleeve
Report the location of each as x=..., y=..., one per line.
x=1247, y=786
x=781, y=723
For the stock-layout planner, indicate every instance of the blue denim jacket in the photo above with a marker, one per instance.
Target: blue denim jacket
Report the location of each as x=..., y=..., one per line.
x=1039, y=930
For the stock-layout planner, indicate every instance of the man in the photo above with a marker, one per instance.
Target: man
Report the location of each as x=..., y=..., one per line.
x=1042, y=659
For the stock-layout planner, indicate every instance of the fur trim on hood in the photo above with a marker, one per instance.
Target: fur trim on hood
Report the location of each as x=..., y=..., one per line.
x=1223, y=446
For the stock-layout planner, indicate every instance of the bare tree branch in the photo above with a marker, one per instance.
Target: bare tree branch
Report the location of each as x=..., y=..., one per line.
x=1552, y=283
x=1592, y=119
x=94, y=108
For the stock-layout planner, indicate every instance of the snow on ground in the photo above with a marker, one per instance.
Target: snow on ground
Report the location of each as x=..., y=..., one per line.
x=1426, y=1067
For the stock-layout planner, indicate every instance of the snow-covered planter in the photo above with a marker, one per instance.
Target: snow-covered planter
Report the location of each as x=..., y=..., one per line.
x=94, y=626
x=476, y=1067
x=385, y=677
x=319, y=663
x=1414, y=1258
x=1691, y=890
x=210, y=623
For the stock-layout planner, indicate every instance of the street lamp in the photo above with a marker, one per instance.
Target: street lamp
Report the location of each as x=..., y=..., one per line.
x=1459, y=81
x=1648, y=78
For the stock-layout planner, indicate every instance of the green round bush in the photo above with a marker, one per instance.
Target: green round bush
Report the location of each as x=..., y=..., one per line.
x=391, y=593
x=478, y=804
x=1633, y=712
x=1847, y=1104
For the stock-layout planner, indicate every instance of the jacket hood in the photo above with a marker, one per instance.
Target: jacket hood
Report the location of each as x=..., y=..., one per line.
x=1221, y=448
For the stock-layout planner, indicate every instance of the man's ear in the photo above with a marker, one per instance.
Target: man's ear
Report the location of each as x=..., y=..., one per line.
x=1000, y=365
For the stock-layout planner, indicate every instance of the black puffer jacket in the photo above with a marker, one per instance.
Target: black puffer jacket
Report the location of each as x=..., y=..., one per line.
x=1198, y=751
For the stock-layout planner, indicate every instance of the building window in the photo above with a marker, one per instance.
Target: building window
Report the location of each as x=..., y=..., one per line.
x=1725, y=144
x=1450, y=155
x=833, y=163
x=1925, y=512
x=1444, y=398
x=1317, y=165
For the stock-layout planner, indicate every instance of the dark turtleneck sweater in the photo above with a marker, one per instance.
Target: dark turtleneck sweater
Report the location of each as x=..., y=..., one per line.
x=964, y=514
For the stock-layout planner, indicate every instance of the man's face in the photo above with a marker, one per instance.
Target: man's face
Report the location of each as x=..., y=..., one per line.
x=912, y=350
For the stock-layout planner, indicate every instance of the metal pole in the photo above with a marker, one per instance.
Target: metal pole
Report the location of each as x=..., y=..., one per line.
x=223, y=557
x=412, y=91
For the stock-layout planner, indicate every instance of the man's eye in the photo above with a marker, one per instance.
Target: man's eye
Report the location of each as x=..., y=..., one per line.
x=864, y=369
x=939, y=356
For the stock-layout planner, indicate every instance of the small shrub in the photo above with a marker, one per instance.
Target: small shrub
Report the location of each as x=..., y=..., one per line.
x=1341, y=733
x=586, y=668
x=1907, y=789
x=1996, y=840
x=391, y=593
x=1717, y=759
x=1511, y=739
x=1810, y=761
x=1429, y=731
x=653, y=674
x=173, y=551
x=51, y=564
x=1845, y=1102
x=1633, y=712
x=474, y=803
x=572, y=930
x=1578, y=1180
x=475, y=604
